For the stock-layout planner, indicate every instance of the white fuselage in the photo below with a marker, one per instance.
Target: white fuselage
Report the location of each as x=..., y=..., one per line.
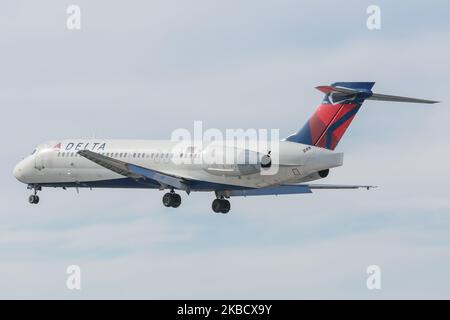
x=57, y=164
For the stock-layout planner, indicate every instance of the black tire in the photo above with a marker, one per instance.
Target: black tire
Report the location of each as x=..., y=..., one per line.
x=226, y=206
x=36, y=199
x=167, y=200
x=217, y=205
x=176, y=200
x=31, y=199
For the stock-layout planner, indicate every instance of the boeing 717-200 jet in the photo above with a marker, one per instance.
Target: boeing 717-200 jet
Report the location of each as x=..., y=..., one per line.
x=302, y=157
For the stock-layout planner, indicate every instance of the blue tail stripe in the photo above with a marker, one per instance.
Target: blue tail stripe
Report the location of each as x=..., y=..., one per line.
x=339, y=123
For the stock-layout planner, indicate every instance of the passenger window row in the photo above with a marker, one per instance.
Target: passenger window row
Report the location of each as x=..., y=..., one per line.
x=141, y=155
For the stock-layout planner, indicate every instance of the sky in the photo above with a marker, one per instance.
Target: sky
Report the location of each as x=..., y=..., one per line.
x=141, y=69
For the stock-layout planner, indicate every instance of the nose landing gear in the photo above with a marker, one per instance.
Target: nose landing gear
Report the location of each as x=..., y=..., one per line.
x=34, y=198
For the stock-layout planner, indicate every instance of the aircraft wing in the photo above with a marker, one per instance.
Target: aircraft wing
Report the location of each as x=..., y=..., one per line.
x=167, y=180
x=134, y=171
x=339, y=186
x=291, y=189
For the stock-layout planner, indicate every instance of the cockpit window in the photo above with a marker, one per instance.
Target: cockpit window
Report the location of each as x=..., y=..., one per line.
x=34, y=151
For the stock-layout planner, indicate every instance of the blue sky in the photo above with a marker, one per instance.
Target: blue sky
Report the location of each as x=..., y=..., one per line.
x=141, y=69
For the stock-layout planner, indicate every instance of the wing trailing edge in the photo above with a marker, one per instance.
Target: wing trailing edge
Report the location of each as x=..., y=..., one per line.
x=292, y=189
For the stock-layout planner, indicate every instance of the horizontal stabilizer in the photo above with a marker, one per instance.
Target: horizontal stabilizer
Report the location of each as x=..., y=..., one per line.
x=372, y=96
x=385, y=97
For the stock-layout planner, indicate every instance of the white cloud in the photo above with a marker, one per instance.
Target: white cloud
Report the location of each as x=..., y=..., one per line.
x=331, y=269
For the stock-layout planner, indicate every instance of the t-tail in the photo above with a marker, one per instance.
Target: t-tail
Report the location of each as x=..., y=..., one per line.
x=341, y=103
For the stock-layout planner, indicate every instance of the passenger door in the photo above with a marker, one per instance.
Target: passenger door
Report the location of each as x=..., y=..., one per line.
x=39, y=161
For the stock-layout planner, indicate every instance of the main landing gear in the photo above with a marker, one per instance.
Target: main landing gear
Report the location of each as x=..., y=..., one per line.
x=221, y=205
x=34, y=198
x=171, y=199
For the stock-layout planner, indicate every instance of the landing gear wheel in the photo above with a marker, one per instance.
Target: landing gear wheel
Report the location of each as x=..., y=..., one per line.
x=176, y=200
x=226, y=206
x=221, y=206
x=171, y=199
x=33, y=199
x=217, y=205
x=167, y=200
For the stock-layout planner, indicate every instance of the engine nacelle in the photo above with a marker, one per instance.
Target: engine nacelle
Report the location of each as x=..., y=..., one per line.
x=266, y=161
x=316, y=175
x=223, y=161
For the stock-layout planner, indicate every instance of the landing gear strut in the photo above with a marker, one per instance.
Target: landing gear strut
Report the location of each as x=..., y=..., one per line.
x=221, y=205
x=171, y=199
x=34, y=198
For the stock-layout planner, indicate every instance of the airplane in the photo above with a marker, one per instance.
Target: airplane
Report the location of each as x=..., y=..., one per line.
x=302, y=157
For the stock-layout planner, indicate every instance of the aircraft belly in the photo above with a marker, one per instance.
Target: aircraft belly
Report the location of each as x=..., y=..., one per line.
x=60, y=175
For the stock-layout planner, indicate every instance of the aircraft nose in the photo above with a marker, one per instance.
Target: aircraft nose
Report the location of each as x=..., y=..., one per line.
x=18, y=172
